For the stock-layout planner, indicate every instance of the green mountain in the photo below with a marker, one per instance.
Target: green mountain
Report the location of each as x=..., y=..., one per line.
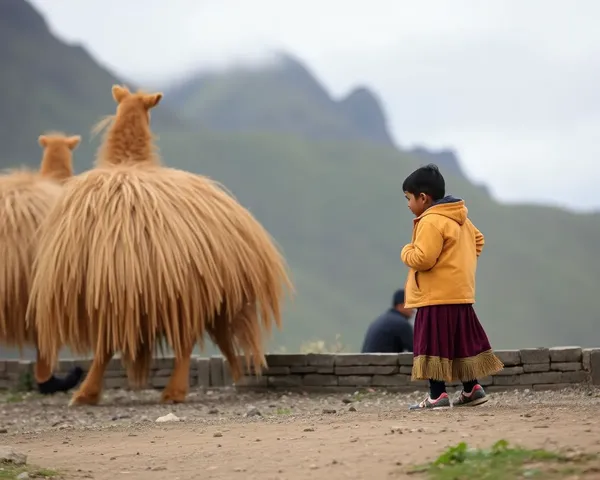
x=280, y=97
x=324, y=178
x=48, y=85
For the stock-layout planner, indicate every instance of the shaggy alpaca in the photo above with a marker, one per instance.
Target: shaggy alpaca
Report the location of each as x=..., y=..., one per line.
x=26, y=197
x=136, y=256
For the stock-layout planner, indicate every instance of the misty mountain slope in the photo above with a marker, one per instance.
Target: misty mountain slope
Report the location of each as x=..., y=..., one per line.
x=282, y=96
x=48, y=85
x=334, y=204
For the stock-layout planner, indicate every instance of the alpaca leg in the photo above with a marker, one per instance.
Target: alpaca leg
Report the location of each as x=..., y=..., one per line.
x=177, y=388
x=91, y=389
x=43, y=370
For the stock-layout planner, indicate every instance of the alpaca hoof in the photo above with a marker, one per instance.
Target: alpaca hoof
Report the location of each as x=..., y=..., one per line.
x=84, y=398
x=173, y=396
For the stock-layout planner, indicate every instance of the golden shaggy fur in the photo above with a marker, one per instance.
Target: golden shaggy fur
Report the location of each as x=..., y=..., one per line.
x=26, y=197
x=135, y=254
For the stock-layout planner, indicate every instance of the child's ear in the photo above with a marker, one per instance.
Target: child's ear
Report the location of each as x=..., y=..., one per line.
x=43, y=141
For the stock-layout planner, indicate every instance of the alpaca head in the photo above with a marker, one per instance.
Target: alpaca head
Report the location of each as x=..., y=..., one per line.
x=57, y=159
x=128, y=102
x=128, y=137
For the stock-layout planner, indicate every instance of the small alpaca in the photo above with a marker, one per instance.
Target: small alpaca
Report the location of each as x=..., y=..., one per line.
x=137, y=256
x=26, y=197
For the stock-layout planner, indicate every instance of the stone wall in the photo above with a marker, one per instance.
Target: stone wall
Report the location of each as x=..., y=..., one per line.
x=533, y=368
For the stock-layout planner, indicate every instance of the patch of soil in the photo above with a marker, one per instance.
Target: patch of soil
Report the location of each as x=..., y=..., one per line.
x=223, y=435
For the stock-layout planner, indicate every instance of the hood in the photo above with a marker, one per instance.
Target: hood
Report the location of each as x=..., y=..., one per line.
x=450, y=207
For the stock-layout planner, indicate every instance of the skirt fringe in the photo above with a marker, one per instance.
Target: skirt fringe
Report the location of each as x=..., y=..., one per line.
x=463, y=369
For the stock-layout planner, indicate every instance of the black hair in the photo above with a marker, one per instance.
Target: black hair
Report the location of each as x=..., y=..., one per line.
x=398, y=297
x=427, y=180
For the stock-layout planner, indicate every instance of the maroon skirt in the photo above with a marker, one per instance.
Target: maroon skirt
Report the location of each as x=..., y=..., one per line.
x=450, y=344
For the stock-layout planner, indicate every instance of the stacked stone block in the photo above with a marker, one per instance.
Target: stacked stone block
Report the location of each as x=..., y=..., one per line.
x=532, y=368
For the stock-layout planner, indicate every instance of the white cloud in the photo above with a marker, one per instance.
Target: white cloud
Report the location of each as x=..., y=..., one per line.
x=511, y=84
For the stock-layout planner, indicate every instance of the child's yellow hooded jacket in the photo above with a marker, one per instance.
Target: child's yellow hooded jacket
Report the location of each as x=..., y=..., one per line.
x=442, y=256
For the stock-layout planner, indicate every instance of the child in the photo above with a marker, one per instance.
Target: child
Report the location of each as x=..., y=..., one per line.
x=449, y=342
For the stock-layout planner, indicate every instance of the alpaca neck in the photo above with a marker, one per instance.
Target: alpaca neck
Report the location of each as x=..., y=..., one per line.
x=129, y=140
x=55, y=167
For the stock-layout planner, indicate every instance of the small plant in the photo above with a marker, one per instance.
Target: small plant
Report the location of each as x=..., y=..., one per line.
x=12, y=472
x=501, y=462
x=280, y=350
x=13, y=397
x=25, y=383
x=319, y=346
x=283, y=411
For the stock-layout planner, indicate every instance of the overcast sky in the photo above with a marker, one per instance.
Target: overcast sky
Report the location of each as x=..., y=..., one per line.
x=511, y=84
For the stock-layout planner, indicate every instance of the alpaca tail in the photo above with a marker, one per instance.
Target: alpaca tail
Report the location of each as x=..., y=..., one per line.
x=241, y=330
x=138, y=366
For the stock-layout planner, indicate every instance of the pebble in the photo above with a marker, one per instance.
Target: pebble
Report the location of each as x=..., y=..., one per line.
x=169, y=417
x=217, y=434
x=23, y=476
x=135, y=409
x=10, y=455
x=329, y=411
x=253, y=412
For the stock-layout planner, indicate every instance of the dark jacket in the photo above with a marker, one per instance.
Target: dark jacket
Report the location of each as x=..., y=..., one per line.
x=389, y=333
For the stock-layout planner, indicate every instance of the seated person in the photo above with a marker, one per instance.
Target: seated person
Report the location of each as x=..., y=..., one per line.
x=391, y=332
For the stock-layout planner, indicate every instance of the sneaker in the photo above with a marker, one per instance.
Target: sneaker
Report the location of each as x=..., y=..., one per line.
x=476, y=397
x=443, y=401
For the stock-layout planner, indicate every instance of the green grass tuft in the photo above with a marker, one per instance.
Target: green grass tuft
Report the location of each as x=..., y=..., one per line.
x=11, y=472
x=500, y=462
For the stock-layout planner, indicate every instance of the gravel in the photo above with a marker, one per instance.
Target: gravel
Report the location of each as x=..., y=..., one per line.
x=31, y=413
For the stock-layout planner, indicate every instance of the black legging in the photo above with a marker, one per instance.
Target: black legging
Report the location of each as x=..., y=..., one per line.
x=437, y=387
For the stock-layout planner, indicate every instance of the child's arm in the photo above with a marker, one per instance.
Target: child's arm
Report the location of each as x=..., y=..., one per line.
x=479, y=240
x=425, y=250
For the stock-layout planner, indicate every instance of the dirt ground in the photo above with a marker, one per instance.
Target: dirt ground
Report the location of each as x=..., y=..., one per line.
x=223, y=435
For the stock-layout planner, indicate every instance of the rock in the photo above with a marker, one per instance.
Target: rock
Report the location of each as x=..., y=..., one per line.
x=23, y=476
x=169, y=417
x=10, y=455
x=347, y=400
x=253, y=412
x=352, y=409
x=213, y=411
x=217, y=434
x=3, y=430
x=329, y=411
x=309, y=429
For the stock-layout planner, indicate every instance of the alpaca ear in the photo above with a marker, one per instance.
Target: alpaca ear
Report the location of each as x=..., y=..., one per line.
x=151, y=101
x=119, y=93
x=73, y=142
x=43, y=141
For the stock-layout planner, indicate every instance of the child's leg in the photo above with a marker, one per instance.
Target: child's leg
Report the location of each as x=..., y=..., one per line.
x=430, y=359
x=438, y=398
x=436, y=388
x=473, y=394
x=468, y=386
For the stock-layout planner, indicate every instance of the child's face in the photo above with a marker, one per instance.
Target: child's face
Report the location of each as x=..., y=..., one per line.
x=417, y=204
